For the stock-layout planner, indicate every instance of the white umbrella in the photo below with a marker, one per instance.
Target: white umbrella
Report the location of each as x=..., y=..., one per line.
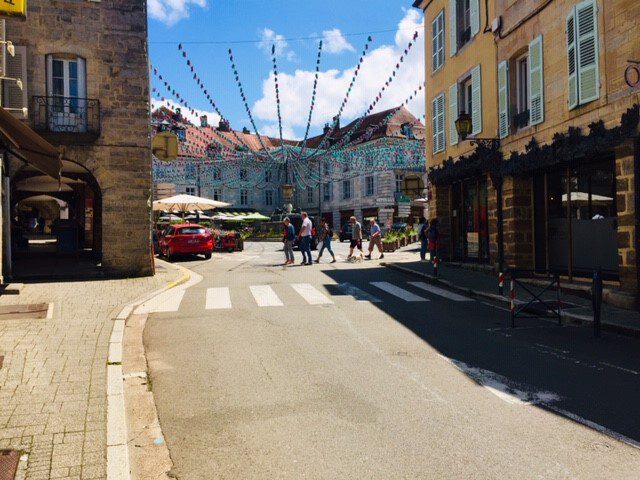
x=186, y=203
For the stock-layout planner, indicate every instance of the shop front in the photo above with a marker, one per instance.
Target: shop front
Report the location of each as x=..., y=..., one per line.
x=469, y=220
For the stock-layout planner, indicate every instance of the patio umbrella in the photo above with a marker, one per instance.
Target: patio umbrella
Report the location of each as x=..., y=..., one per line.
x=186, y=203
x=256, y=216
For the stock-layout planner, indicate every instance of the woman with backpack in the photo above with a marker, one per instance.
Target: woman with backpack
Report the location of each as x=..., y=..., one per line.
x=326, y=235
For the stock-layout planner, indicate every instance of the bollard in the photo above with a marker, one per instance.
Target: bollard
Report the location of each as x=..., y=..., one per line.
x=513, y=303
x=596, y=299
x=501, y=284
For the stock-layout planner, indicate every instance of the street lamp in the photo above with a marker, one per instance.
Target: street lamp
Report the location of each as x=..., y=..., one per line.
x=464, y=126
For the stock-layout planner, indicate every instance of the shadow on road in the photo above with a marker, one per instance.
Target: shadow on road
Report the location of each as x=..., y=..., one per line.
x=595, y=379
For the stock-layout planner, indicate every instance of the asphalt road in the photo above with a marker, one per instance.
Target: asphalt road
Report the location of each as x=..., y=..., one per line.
x=347, y=371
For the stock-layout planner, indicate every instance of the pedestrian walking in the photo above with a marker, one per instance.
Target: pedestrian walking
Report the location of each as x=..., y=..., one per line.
x=306, y=231
x=288, y=240
x=326, y=235
x=356, y=239
x=424, y=241
x=375, y=239
x=433, y=238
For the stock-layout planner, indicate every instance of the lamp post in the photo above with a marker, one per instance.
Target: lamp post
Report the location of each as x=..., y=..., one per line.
x=287, y=188
x=464, y=126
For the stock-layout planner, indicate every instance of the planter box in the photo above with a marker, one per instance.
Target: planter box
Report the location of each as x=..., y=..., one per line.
x=388, y=246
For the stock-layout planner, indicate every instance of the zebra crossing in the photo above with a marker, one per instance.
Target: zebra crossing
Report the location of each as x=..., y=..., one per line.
x=266, y=296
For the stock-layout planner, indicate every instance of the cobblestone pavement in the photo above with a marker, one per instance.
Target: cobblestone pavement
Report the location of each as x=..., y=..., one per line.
x=53, y=404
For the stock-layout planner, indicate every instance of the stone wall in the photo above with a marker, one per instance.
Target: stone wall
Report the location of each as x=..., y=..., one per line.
x=627, y=218
x=440, y=208
x=518, y=223
x=112, y=38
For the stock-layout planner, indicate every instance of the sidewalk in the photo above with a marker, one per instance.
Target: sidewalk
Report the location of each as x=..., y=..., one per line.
x=485, y=286
x=53, y=380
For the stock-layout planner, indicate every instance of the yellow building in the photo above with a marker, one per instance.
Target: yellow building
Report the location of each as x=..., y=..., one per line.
x=460, y=78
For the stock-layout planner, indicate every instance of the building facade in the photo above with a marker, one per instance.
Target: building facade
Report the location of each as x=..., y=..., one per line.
x=85, y=79
x=563, y=163
x=336, y=192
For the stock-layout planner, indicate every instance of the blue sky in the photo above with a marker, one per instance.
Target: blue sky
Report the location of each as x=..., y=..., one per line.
x=208, y=28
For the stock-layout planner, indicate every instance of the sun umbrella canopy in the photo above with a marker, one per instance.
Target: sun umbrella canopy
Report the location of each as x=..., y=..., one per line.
x=256, y=216
x=186, y=203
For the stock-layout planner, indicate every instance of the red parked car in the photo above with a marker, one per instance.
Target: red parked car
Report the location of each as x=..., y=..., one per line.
x=186, y=239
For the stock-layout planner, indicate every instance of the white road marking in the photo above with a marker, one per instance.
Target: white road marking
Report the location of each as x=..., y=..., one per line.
x=168, y=301
x=265, y=296
x=311, y=294
x=218, y=299
x=620, y=368
x=398, y=292
x=440, y=291
x=359, y=295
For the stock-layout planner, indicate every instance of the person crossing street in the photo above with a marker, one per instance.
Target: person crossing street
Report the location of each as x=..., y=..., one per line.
x=375, y=239
x=289, y=238
x=306, y=231
x=356, y=239
x=326, y=235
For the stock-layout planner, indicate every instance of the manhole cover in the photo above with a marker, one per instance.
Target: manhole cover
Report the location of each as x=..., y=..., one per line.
x=9, y=464
x=34, y=310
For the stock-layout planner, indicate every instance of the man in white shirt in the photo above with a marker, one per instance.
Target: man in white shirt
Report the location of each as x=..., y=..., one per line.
x=306, y=230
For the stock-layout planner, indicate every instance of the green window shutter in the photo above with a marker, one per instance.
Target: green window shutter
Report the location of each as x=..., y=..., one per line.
x=438, y=123
x=475, y=16
x=453, y=113
x=572, y=60
x=587, y=42
x=453, y=30
x=442, y=142
x=437, y=42
x=536, y=82
x=503, y=99
x=476, y=101
x=434, y=124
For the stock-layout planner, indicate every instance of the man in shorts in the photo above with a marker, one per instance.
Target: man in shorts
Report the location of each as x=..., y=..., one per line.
x=356, y=239
x=375, y=239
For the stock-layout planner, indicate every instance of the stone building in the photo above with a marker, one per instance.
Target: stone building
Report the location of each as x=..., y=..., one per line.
x=84, y=70
x=354, y=193
x=563, y=168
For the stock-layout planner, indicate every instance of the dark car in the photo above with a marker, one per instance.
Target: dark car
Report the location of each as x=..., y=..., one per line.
x=399, y=227
x=347, y=229
x=296, y=221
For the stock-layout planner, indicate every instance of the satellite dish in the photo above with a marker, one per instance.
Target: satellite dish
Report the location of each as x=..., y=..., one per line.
x=165, y=146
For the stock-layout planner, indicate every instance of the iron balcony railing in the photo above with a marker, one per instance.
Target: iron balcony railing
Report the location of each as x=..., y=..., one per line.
x=67, y=115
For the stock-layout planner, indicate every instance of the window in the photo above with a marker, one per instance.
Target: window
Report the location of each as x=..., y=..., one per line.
x=465, y=96
x=268, y=198
x=399, y=182
x=67, y=91
x=217, y=194
x=437, y=117
x=582, y=54
x=327, y=169
x=437, y=42
x=346, y=189
x=369, y=186
x=407, y=131
x=244, y=197
x=217, y=175
x=346, y=167
x=522, y=85
x=326, y=192
x=464, y=22
x=310, y=194
x=190, y=190
x=243, y=174
x=268, y=176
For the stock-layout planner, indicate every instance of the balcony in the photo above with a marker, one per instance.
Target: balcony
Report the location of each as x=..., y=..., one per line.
x=521, y=120
x=67, y=120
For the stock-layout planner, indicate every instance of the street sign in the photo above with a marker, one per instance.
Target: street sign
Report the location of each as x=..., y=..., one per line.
x=165, y=146
x=384, y=201
x=13, y=8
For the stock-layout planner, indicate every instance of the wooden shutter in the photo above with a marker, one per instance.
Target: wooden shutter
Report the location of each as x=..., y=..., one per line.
x=453, y=113
x=587, y=43
x=453, y=30
x=476, y=100
x=536, y=82
x=14, y=98
x=572, y=60
x=437, y=42
x=474, y=16
x=503, y=99
x=438, y=123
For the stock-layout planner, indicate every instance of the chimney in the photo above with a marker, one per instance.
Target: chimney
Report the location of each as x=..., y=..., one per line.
x=326, y=129
x=224, y=126
x=336, y=120
x=245, y=130
x=204, y=121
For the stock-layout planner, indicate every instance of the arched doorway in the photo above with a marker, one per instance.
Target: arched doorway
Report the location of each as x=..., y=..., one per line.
x=56, y=226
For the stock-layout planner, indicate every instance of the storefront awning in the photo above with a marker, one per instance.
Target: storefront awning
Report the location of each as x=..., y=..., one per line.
x=29, y=146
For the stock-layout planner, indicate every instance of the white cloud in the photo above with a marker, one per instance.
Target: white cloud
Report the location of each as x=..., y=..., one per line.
x=213, y=118
x=269, y=39
x=170, y=12
x=334, y=42
x=273, y=131
x=296, y=88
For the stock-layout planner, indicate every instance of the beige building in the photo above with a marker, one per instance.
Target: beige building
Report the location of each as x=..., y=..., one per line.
x=84, y=71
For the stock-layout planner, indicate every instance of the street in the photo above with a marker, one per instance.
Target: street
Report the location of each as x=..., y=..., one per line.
x=358, y=371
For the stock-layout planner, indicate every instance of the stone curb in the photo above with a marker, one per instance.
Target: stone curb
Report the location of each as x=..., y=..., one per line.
x=117, y=447
x=579, y=319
